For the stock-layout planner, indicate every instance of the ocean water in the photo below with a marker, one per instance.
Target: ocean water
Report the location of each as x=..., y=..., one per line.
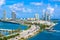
x=45, y=35
x=11, y=26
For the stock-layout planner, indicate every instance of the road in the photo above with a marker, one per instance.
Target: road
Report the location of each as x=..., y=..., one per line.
x=26, y=33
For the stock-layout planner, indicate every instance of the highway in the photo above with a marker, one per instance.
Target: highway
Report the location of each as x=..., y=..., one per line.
x=27, y=33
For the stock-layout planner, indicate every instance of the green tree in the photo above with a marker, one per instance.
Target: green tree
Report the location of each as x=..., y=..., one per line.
x=1, y=34
x=4, y=38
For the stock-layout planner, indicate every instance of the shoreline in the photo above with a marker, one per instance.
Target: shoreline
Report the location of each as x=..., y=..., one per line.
x=8, y=22
x=32, y=31
x=51, y=26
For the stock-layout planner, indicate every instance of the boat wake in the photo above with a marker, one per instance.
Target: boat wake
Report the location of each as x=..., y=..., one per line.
x=54, y=30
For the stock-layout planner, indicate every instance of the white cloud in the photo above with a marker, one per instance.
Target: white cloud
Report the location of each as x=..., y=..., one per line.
x=16, y=6
x=2, y=2
x=50, y=9
x=43, y=10
x=56, y=5
x=27, y=10
x=36, y=3
x=19, y=7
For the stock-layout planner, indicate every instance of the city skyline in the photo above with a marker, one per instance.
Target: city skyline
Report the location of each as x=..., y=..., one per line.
x=45, y=16
x=29, y=19
x=28, y=8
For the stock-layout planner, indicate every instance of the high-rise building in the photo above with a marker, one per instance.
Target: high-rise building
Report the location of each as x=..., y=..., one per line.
x=37, y=16
x=43, y=15
x=13, y=16
x=47, y=16
x=4, y=15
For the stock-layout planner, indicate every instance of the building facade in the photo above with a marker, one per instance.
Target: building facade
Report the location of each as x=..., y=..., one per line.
x=4, y=15
x=37, y=16
x=13, y=16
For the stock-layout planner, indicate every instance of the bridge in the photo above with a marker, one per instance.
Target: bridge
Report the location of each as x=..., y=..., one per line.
x=6, y=30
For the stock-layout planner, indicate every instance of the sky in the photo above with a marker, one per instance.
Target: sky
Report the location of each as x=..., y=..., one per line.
x=28, y=8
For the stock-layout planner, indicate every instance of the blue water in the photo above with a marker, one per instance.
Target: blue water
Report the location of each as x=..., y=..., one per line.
x=12, y=26
x=48, y=35
x=40, y=36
